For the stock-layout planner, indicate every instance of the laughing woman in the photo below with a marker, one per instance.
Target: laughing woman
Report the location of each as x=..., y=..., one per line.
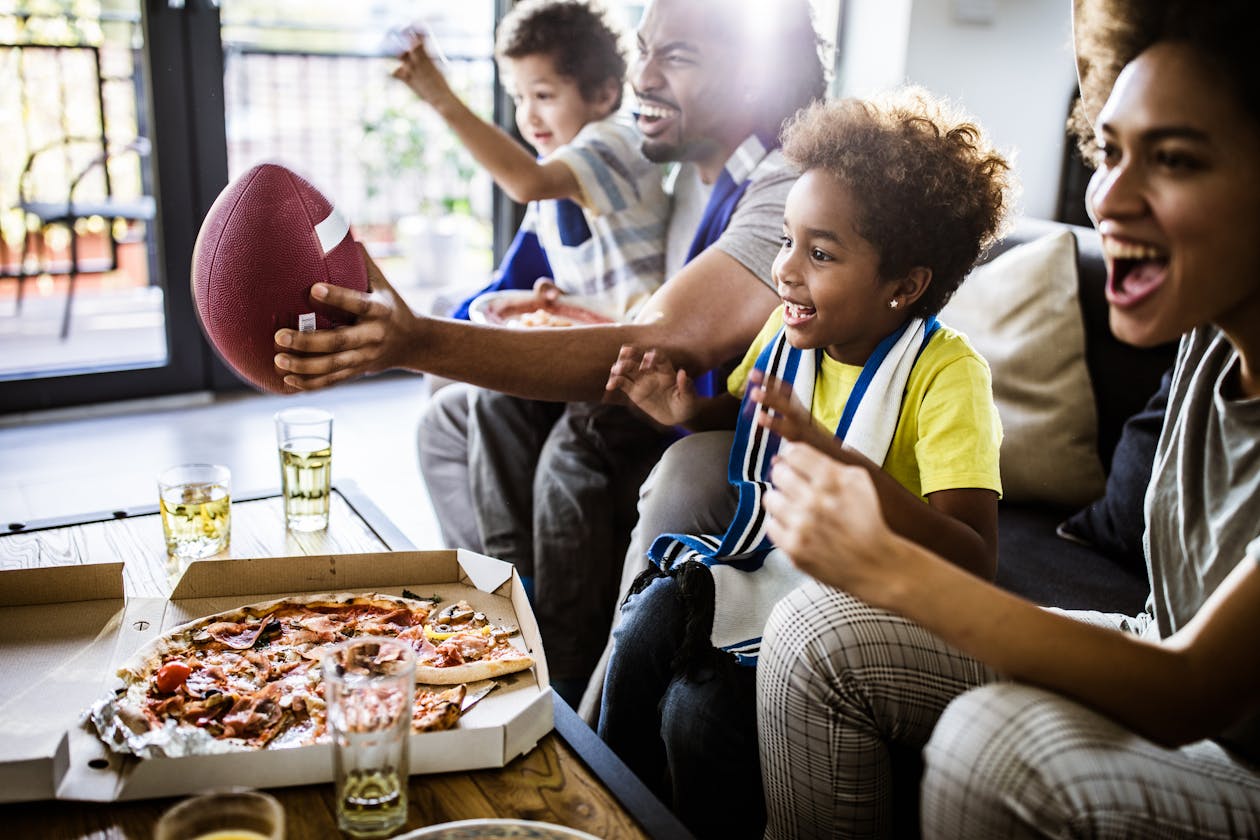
x=1036, y=722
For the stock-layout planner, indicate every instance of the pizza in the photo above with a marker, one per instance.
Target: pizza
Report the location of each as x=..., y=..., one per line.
x=250, y=678
x=553, y=314
x=460, y=645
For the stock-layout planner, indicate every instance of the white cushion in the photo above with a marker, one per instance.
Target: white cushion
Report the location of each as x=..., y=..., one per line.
x=1021, y=312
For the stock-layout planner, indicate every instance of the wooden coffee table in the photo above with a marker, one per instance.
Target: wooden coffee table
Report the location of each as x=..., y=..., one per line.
x=570, y=778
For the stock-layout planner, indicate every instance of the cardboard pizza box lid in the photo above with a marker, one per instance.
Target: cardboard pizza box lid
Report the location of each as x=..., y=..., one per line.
x=57, y=625
x=505, y=723
x=280, y=576
x=61, y=584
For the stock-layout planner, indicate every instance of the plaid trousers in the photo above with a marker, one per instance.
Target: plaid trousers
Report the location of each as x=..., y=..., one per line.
x=842, y=687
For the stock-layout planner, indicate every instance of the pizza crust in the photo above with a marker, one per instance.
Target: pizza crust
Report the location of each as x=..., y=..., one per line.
x=483, y=669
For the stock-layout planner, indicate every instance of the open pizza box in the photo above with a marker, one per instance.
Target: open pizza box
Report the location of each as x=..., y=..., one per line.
x=65, y=631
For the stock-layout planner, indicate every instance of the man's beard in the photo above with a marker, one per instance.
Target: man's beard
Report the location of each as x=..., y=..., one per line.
x=666, y=151
x=659, y=151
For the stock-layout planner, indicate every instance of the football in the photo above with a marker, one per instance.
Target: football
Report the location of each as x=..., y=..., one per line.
x=269, y=237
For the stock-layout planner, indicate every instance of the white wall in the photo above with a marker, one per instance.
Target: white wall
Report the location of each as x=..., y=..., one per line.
x=1014, y=73
x=875, y=37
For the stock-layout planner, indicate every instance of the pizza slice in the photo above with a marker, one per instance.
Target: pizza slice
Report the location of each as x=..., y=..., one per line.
x=437, y=710
x=459, y=644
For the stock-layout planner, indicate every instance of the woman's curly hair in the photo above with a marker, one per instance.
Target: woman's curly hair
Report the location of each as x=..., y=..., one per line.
x=1111, y=33
x=575, y=33
x=928, y=187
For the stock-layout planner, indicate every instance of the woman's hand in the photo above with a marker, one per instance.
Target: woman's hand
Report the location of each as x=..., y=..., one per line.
x=826, y=516
x=380, y=338
x=651, y=381
x=783, y=414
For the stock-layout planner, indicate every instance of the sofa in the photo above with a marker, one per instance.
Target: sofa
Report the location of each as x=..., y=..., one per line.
x=1037, y=558
x=1041, y=558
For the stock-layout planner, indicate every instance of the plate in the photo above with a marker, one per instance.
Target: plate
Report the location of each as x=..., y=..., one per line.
x=520, y=308
x=495, y=829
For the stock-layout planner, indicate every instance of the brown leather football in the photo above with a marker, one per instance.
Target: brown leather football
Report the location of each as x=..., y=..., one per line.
x=269, y=237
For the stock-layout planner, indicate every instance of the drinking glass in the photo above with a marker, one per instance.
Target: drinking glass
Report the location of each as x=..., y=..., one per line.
x=369, y=689
x=196, y=505
x=304, y=439
x=228, y=814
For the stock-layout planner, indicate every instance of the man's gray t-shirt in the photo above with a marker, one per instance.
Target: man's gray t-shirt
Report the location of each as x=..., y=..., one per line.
x=751, y=236
x=1203, y=502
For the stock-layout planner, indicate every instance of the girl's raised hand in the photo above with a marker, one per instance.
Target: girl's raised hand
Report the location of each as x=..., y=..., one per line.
x=651, y=381
x=780, y=412
x=826, y=516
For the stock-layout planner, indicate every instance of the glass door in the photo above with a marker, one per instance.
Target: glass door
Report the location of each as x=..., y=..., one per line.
x=308, y=86
x=123, y=119
x=93, y=267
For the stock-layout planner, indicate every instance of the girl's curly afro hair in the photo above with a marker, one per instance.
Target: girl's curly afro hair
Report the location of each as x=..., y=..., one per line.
x=929, y=188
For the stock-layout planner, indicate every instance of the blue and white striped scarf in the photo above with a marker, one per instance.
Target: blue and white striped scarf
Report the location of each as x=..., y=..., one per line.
x=749, y=574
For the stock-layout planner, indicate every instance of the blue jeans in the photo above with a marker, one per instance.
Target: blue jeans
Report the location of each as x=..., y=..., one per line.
x=691, y=738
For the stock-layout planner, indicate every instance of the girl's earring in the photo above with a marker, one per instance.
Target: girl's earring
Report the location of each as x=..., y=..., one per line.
x=892, y=304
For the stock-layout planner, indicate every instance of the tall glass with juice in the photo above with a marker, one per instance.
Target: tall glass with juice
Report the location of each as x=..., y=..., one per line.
x=304, y=441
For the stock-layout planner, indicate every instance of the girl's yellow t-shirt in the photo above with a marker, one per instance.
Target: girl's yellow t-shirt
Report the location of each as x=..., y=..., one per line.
x=948, y=436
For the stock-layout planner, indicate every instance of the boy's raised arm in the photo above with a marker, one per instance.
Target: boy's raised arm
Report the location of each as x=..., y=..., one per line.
x=706, y=314
x=512, y=167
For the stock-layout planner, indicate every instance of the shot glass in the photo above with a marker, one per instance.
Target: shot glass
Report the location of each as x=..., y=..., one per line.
x=369, y=690
x=230, y=812
x=196, y=505
x=304, y=438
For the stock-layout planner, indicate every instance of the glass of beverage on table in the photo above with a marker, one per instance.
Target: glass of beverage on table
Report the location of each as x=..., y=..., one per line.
x=369, y=689
x=304, y=438
x=229, y=814
x=196, y=505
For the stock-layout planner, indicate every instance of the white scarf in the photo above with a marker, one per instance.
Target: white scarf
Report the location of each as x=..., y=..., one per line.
x=742, y=599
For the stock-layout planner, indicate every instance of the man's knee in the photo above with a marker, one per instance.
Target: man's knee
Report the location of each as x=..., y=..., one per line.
x=444, y=424
x=688, y=491
x=570, y=463
x=483, y=402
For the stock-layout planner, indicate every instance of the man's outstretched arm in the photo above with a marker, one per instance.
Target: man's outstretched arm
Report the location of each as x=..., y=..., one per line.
x=706, y=314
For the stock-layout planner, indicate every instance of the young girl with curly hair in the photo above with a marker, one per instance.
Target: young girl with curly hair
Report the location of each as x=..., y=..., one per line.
x=898, y=198
x=1039, y=722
